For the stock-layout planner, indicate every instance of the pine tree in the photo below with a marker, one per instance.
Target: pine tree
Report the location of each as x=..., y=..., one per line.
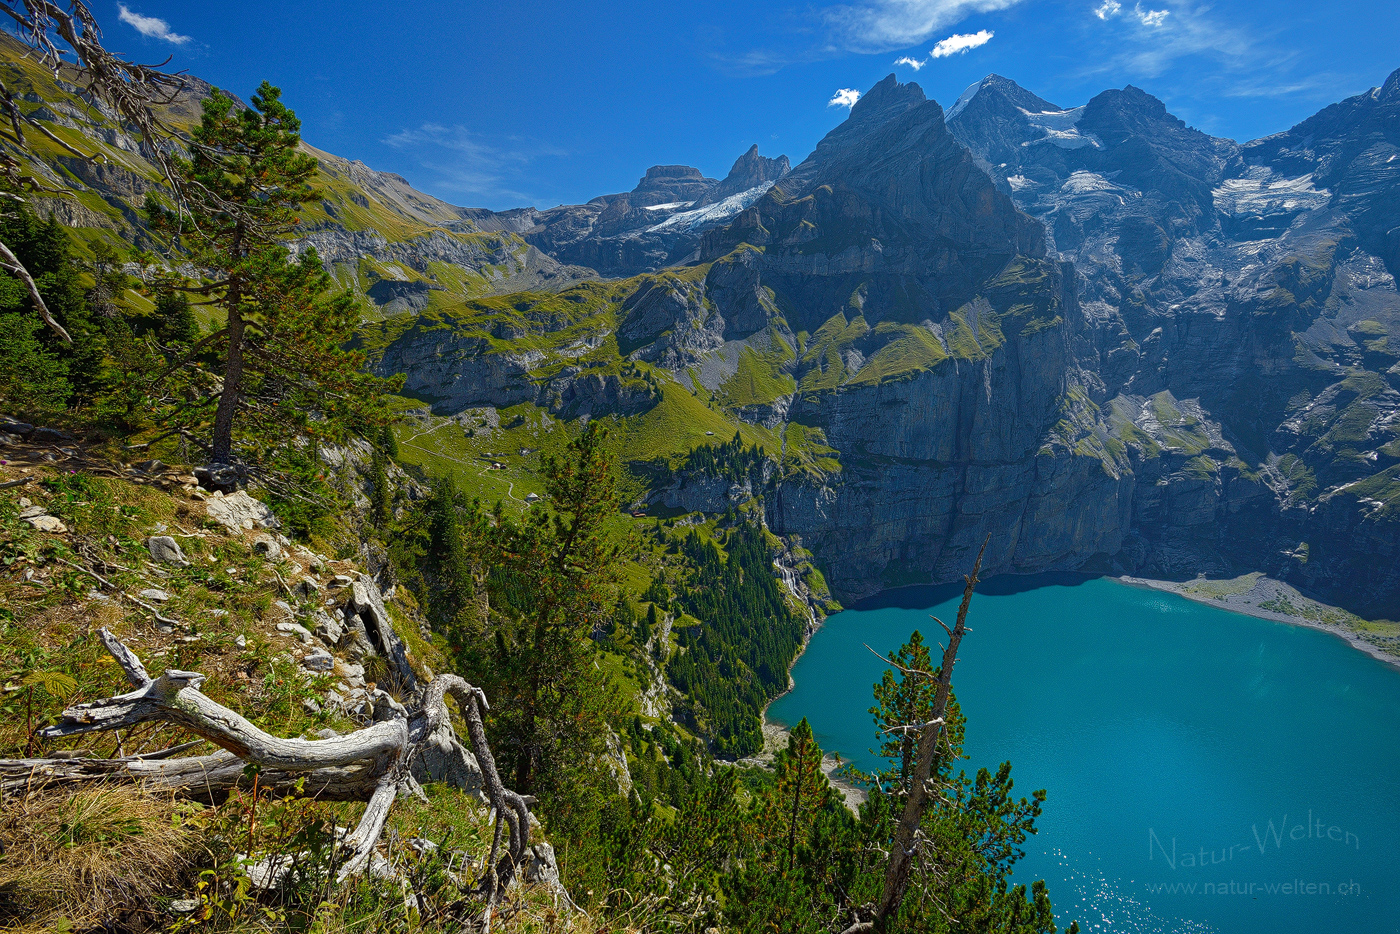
x=909, y=699
x=175, y=322
x=284, y=368
x=556, y=571
x=800, y=789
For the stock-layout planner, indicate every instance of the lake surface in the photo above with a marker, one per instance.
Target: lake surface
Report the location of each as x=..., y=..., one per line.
x=1206, y=771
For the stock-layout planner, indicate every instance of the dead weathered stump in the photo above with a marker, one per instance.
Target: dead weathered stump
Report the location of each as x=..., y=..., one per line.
x=374, y=764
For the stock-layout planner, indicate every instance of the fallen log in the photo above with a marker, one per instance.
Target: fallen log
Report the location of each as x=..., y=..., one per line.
x=373, y=764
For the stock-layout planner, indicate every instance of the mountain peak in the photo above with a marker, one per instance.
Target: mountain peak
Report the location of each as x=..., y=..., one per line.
x=995, y=90
x=750, y=170
x=664, y=184
x=1390, y=91
x=887, y=95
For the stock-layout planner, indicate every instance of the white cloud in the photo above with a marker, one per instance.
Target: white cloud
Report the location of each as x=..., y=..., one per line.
x=462, y=164
x=914, y=63
x=1108, y=9
x=845, y=97
x=149, y=26
x=1149, y=42
x=884, y=25
x=958, y=44
x=1149, y=17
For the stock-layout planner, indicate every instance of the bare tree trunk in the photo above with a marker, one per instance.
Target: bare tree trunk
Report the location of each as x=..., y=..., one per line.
x=370, y=765
x=905, y=847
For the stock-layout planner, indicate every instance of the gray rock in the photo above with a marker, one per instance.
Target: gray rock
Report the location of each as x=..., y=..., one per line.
x=310, y=706
x=14, y=427
x=49, y=436
x=318, y=660
x=266, y=546
x=297, y=630
x=354, y=675
x=154, y=595
x=306, y=589
x=385, y=707
x=166, y=550
x=221, y=478
x=239, y=512
x=184, y=906
x=327, y=629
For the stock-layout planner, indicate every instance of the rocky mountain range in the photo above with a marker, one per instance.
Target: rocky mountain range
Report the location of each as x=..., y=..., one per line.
x=1107, y=340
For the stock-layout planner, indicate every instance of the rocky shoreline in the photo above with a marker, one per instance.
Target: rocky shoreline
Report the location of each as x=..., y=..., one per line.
x=1261, y=596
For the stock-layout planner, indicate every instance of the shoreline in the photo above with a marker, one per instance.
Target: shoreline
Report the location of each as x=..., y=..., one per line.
x=1263, y=597
x=1254, y=594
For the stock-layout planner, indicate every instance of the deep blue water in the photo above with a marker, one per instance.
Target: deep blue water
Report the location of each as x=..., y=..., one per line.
x=1155, y=722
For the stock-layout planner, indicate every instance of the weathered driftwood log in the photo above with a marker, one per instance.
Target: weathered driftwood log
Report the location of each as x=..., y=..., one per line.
x=373, y=764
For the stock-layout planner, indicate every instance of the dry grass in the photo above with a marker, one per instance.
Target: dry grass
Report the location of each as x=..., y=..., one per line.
x=97, y=856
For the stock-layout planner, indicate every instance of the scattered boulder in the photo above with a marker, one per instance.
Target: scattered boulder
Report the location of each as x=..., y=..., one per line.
x=267, y=547
x=221, y=478
x=184, y=906
x=31, y=511
x=328, y=629
x=318, y=660
x=49, y=436
x=306, y=589
x=15, y=427
x=48, y=524
x=354, y=675
x=240, y=512
x=165, y=550
x=296, y=629
x=154, y=595
x=541, y=866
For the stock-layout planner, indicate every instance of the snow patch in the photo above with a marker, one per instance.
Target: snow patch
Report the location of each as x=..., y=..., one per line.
x=1083, y=182
x=1263, y=191
x=713, y=213
x=1061, y=128
x=673, y=206
x=961, y=103
x=1020, y=182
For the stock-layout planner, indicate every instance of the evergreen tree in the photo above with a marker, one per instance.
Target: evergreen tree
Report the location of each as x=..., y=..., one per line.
x=800, y=789
x=907, y=700
x=283, y=365
x=73, y=368
x=174, y=319
x=555, y=572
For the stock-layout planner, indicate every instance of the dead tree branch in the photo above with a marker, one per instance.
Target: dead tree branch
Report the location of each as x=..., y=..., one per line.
x=908, y=842
x=370, y=765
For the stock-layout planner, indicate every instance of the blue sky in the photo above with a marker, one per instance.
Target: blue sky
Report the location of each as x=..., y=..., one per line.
x=507, y=104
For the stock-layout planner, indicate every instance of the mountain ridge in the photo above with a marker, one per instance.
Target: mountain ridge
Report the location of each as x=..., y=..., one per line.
x=1105, y=339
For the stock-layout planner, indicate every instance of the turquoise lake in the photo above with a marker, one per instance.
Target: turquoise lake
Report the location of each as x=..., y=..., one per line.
x=1203, y=768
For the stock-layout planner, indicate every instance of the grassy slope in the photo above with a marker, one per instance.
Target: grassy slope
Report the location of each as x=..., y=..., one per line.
x=343, y=203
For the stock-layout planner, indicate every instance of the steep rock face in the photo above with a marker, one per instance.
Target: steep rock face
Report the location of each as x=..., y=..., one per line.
x=748, y=172
x=1250, y=286
x=664, y=184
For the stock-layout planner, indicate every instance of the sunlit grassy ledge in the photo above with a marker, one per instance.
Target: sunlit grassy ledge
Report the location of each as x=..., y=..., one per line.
x=1259, y=595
